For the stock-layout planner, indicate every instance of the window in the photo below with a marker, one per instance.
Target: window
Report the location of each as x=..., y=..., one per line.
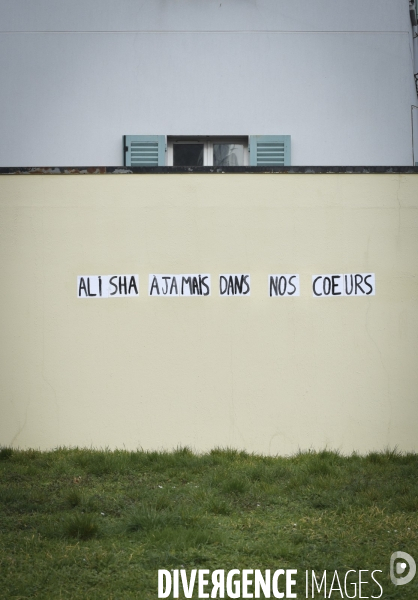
x=193, y=151
x=187, y=154
x=207, y=152
x=226, y=154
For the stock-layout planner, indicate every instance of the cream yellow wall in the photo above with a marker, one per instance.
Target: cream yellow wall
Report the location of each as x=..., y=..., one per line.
x=268, y=375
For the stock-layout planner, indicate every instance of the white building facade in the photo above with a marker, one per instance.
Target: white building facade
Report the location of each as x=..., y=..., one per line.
x=332, y=81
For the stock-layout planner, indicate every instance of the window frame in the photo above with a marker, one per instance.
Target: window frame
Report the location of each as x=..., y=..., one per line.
x=208, y=142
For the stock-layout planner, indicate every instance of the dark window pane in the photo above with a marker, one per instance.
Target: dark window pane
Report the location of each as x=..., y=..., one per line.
x=188, y=155
x=228, y=155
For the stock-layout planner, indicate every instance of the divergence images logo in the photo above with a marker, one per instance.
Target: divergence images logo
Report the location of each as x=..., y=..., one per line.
x=399, y=566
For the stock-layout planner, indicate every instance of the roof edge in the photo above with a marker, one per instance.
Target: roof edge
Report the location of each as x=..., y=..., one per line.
x=216, y=170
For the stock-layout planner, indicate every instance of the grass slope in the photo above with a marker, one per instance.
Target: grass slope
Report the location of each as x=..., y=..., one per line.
x=96, y=525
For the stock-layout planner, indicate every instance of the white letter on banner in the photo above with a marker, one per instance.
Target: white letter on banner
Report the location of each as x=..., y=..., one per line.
x=275, y=590
x=164, y=574
x=264, y=584
x=290, y=583
x=230, y=592
x=202, y=582
x=188, y=589
x=218, y=582
x=246, y=582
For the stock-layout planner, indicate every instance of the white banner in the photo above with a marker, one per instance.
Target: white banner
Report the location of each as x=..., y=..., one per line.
x=284, y=285
x=235, y=284
x=349, y=284
x=179, y=285
x=107, y=286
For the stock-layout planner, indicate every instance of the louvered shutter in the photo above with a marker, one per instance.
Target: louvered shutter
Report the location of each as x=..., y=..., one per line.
x=269, y=150
x=144, y=150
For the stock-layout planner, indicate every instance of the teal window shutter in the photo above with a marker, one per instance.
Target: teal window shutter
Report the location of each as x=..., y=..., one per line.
x=269, y=150
x=144, y=150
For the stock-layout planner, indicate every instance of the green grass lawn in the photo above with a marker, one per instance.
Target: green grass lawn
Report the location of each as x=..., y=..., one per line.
x=84, y=524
